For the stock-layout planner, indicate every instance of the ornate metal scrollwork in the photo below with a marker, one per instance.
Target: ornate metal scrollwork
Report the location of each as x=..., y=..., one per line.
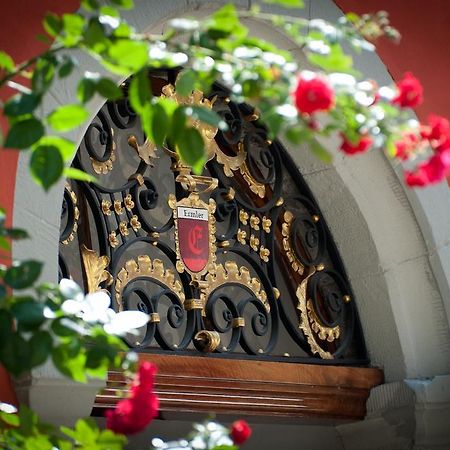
x=268, y=280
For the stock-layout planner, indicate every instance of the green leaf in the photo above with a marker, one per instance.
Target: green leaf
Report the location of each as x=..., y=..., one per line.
x=52, y=24
x=94, y=37
x=108, y=89
x=16, y=233
x=28, y=312
x=65, y=147
x=6, y=62
x=46, y=165
x=67, y=66
x=297, y=135
x=124, y=4
x=139, y=92
x=335, y=61
x=70, y=360
x=391, y=150
x=28, y=420
x=77, y=174
x=109, y=11
x=110, y=440
x=23, y=274
x=320, y=151
x=132, y=55
x=225, y=447
x=286, y=3
x=190, y=147
x=59, y=327
x=86, y=431
x=85, y=89
x=10, y=419
x=24, y=134
x=15, y=354
x=6, y=325
x=67, y=117
x=160, y=124
x=89, y=5
x=205, y=115
x=43, y=75
x=225, y=23
x=73, y=26
x=40, y=442
x=186, y=82
x=4, y=243
x=41, y=346
x=21, y=104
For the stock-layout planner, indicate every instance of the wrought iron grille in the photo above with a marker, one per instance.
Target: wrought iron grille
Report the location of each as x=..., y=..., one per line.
x=273, y=286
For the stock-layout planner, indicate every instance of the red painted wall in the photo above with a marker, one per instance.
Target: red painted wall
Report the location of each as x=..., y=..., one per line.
x=20, y=23
x=424, y=48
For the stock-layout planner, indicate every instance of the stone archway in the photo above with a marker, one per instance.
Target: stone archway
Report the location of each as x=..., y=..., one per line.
x=389, y=239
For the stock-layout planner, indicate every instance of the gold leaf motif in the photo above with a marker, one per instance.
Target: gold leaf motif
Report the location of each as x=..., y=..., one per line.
x=290, y=252
x=266, y=224
x=304, y=324
x=112, y=238
x=103, y=167
x=145, y=267
x=264, y=253
x=118, y=207
x=146, y=151
x=254, y=222
x=243, y=216
x=254, y=242
x=76, y=215
x=323, y=332
x=128, y=201
x=123, y=228
x=95, y=269
x=240, y=236
x=106, y=207
x=255, y=186
x=134, y=222
x=230, y=272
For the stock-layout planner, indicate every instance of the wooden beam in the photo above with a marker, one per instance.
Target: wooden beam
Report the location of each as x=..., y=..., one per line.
x=253, y=388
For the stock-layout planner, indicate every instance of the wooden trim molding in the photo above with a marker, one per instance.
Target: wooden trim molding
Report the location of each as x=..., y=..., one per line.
x=252, y=388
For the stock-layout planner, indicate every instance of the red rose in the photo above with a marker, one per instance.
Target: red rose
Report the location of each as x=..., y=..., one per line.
x=437, y=130
x=410, y=91
x=133, y=414
x=361, y=146
x=240, y=431
x=406, y=145
x=313, y=94
x=430, y=172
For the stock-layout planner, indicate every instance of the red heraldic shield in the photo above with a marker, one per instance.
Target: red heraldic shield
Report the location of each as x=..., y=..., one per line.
x=193, y=237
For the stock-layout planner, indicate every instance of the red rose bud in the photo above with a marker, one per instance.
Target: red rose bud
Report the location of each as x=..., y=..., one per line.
x=240, y=431
x=361, y=146
x=133, y=414
x=313, y=94
x=410, y=92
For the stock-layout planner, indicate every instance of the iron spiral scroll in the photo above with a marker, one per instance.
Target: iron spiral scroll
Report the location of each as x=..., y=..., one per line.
x=274, y=286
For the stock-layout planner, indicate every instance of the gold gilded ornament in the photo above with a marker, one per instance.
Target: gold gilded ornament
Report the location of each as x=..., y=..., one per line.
x=146, y=267
x=95, y=269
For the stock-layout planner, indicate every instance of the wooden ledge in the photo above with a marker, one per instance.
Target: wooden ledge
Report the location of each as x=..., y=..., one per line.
x=253, y=388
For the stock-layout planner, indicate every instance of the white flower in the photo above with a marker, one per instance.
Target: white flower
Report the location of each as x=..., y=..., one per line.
x=94, y=308
x=7, y=408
